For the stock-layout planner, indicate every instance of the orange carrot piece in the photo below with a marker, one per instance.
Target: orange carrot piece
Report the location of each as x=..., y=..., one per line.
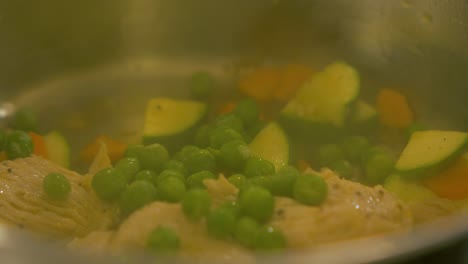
x=227, y=107
x=393, y=108
x=260, y=83
x=291, y=78
x=452, y=183
x=115, y=149
x=40, y=147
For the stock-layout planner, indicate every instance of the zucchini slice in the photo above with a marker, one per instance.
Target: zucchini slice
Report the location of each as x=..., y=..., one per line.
x=271, y=144
x=430, y=150
x=326, y=96
x=168, y=118
x=58, y=149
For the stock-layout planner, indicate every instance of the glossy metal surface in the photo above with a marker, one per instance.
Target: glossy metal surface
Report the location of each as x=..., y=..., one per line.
x=88, y=66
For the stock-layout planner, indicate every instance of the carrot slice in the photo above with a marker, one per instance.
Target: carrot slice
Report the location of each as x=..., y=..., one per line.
x=394, y=110
x=40, y=147
x=452, y=183
x=115, y=149
x=227, y=107
x=291, y=78
x=260, y=83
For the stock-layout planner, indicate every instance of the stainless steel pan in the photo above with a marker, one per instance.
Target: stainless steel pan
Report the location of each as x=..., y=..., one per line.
x=89, y=65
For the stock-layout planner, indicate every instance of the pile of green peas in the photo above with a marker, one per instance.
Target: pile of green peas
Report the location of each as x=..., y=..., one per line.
x=357, y=159
x=149, y=173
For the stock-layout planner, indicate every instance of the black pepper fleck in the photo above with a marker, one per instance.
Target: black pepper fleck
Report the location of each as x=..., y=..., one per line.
x=21, y=226
x=158, y=107
x=10, y=170
x=381, y=193
x=358, y=193
x=400, y=207
x=280, y=212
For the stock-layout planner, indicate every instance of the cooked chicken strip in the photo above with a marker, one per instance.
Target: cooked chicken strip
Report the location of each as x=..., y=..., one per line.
x=24, y=204
x=195, y=241
x=351, y=210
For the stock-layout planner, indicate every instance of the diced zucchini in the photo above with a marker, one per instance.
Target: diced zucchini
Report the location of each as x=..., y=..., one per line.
x=171, y=121
x=325, y=97
x=406, y=190
x=58, y=149
x=271, y=144
x=320, y=107
x=363, y=113
x=428, y=151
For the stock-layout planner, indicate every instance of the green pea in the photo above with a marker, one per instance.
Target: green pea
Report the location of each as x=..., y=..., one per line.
x=221, y=222
x=233, y=155
x=168, y=173
x=196, y=204
x=133, y=151
x=329, y=153
x=163, y=239
x=153, y=157
x=282, y=182
x=171, y=189
x=246, y=231
x=310, y=189
x=25, y=119
x=374, y=151
x=196, y=180
x=355, y=146
x=230, y=120
x=202, y=137
x=257, y=202
x=176, y=165
x=56, y=186
x=248, y=111
x=255, y=166
x=261, y=181
x=200, y=161
x=18, y=145
x=146, y=175
x=185, y=153
x=343, y=168
x=232, y=205
x=378, y=168
x=137, y=195
x=129, y=166
x=215, y=152
x=202, y=85
x=269, y=238
x=238, y=180
x=222, y=135
x=109, y=183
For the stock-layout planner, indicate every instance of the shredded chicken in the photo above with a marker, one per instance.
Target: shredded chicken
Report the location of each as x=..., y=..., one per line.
x=351, y=210
x=24, y=204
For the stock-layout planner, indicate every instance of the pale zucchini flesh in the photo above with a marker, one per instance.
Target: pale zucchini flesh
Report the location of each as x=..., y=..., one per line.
x=326, y=96
x=271, y=144
x=166, y=117
x=427, y=149
x=58, y=149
